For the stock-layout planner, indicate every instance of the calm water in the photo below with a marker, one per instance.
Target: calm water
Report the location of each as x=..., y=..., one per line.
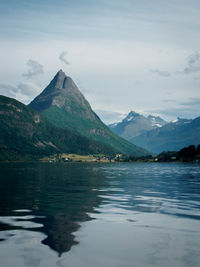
x=112, y=215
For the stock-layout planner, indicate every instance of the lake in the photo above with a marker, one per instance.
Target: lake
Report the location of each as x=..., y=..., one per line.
x=93, y=214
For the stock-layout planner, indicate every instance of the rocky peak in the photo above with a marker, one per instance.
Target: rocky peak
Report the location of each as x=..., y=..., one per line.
x=156, y=121
x=63, y=93
x=132, y=115
x=60, y=80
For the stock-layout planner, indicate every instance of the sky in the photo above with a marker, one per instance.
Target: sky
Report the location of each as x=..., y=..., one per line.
x=141, y=55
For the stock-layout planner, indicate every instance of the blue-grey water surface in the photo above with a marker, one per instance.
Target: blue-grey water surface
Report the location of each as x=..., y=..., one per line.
x=113, y=215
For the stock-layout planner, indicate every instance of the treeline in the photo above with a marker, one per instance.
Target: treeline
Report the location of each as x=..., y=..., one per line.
x=186, y=154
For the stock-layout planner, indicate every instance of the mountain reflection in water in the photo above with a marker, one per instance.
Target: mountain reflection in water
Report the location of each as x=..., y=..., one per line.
x=126, y=215
x=59, y=197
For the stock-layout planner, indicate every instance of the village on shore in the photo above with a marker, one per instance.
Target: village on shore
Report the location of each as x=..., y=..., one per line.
x=187, y=154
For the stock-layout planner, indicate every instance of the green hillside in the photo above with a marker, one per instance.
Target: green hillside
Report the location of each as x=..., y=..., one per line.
x=25, y=134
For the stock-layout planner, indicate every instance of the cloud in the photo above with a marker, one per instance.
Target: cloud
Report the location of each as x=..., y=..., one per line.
x=191, y=102
x=28, y=89
x=161, y=73
x=35, y=68
x=62, y=57
x=23, y=91
x=109, y=117
x=187, y=109
x=8, y=90
x=193, y=63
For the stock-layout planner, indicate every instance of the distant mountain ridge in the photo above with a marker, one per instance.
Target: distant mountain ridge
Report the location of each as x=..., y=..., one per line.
x=135, y=124
x=172, y=136
x=157, y=135
x=62, y=104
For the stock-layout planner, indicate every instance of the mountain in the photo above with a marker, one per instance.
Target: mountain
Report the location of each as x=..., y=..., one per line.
x=135, y=124
x=25, y=134
x=171, y=137
x=64, y=106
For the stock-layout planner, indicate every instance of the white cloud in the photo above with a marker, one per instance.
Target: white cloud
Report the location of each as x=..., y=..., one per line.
x=187, y=109
x=193, y=63
x=35, y=68
x=8, y=90
x=109, y=117
x=28, y=89
x=62, y=57
x=23, y=91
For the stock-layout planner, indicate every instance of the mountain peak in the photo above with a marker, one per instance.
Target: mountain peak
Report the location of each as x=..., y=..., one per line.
x=59, y=81
x=135, y=124
x=62, y=93
x=61, y=74
x=131, y=115
x=60, y=71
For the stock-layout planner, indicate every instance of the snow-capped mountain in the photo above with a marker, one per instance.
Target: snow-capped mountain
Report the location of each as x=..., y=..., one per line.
x=171, y=137
x=135, y=124
x=157, y=135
